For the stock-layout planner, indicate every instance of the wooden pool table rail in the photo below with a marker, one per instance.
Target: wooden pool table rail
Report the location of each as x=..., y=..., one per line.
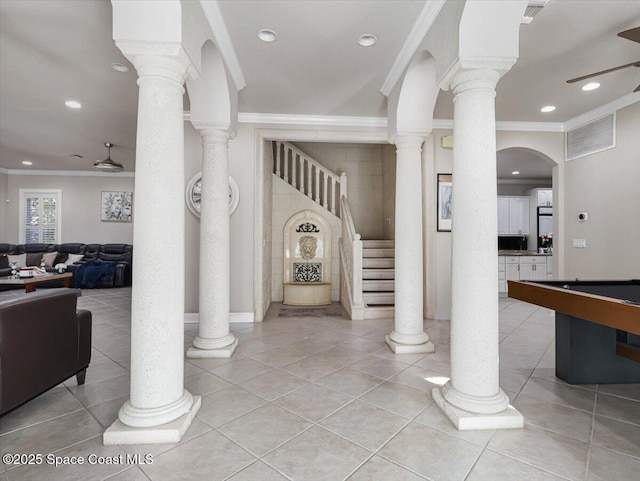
x=607, y=311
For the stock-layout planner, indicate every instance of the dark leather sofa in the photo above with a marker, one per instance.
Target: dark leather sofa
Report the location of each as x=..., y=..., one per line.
x=44, y=341
x=120, y=254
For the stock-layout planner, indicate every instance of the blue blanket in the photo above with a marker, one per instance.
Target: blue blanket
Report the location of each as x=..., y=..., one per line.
x=89, y=274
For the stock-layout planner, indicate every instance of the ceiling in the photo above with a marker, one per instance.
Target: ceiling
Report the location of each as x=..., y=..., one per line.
x=55, y=50
x=530, y=166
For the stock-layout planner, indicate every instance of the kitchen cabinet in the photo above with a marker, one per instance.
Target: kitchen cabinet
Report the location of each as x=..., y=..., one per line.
x=513, y=215
x=521, y=268
x=545, y=197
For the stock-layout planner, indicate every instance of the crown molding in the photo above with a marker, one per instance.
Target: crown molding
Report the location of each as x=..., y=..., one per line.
x=67, y=173
x=316, y=120
x=603, y=110
x=223, y=41
x=416, y=35
x=530, y=126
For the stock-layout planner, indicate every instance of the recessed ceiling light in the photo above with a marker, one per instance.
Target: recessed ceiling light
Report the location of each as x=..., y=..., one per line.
x=367, y=40
x=73, y=104
x=27, y=162
x=119, y=67
x=590, y=86
x=515, y=172
x=267, y=35
x=548, y=108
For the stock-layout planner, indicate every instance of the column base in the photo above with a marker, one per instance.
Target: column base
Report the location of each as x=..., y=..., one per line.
x=463, y=420
x=398, y=348
x=171, y=432
x=219, y=353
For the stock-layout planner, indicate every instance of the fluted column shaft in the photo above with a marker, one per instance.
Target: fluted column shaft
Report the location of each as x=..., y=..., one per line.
x=408, y=335
x=214, y=338
x=157, y=309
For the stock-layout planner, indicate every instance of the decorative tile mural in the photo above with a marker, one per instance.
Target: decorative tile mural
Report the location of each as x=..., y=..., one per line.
x=307, y=272
x=307, y=227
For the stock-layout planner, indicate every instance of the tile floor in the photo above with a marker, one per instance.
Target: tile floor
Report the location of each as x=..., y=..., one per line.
x=324, y=399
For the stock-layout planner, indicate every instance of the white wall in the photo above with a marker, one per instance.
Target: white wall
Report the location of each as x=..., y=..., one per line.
x=267, y=226
x=388, y=192
x=4, y=179
x=607, y=186
x=287, y=202
x=81, y=198
x=363, y=165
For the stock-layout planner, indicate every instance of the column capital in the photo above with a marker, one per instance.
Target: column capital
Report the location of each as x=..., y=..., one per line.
x=214, y=132
x=466, y=80
x=412, y=140
x=168, y=60
x=499, y=64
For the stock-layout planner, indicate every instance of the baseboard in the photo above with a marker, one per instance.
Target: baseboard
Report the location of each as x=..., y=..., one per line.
x=193, y=317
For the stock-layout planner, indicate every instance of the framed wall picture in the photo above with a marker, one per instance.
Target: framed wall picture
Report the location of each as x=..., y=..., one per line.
x=116, y=206
x=445, y=198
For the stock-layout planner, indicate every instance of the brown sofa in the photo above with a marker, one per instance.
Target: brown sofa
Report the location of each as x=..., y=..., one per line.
x=44, y=341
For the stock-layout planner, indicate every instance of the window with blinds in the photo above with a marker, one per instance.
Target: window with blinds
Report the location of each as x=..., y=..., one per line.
x=40, y=216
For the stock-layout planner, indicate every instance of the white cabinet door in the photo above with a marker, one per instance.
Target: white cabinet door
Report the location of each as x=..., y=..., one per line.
x=545, y=225
x=545, y=197
x=503, y=215
x=539, y=272
x=526, y=272
x=518, y=215
x=513, y=273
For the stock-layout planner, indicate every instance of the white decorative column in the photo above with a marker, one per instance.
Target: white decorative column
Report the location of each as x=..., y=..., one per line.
x=408, y=336
x=214, y=339
x=159, y=409
x=472, y=399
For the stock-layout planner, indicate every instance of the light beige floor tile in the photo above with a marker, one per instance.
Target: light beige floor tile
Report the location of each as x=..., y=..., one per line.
x=210, y=456
x=555, y=417
x=558, y=393
x=313, y=402
x=196, y=429
x=258, y=471
x=433, y=417
x=605, y=465
x=103, y=391
x=378, y=468
x=384, y=368
x=203, y=383
x=57, y=402
x=496, y=467
x=262, y=430
x=107, y=413
x=253, y=346
x=354, y=422
x=418, y=378
x=363, y=345
x=278, y=357
x=190, y=369
x=549, y=451
x=397, y=398
x=211, y=364
x=350, y=382
x=317, y=455
x=273, y=384
x=87, y=451
x=512, y=380
x=225, y=405
x=240, y=370
x=312, y=368
x=618, y=408
x=431, y=453
x=133, y=474
x=99, y=370
x=308, y=346
x=617, y=435
x=52, y=435
x=629, y=391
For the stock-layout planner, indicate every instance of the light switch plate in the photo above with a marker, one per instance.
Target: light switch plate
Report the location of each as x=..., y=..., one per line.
x=581, y=243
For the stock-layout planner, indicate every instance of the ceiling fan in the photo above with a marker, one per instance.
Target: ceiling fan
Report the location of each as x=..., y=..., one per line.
x=633, y=35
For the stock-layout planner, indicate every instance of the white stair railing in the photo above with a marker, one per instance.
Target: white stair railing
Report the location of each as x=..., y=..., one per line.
x=308, y=176
x=351, y=259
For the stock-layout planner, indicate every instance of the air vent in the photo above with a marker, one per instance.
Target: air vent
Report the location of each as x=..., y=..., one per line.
x=534, y=7
x=595, y=136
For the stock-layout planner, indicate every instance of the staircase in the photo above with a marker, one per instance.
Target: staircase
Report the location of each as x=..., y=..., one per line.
x=378, y=276
x=367, y=274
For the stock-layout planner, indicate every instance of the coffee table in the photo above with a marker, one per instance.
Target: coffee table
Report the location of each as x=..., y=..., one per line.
x=30, y=283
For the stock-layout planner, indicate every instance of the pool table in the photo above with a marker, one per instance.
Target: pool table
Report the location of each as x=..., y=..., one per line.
x=597, y=327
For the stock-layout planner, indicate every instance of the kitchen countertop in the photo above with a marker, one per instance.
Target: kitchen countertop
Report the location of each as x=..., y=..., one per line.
x=521, y=253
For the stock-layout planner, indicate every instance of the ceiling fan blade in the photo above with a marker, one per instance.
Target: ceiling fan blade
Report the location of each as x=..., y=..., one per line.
x=631, y=34
x=637, y=89
x=585, y=77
